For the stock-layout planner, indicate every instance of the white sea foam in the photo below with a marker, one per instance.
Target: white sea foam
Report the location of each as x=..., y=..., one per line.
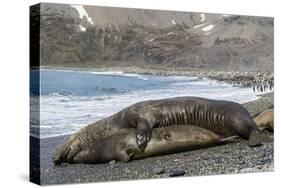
x=119, y=73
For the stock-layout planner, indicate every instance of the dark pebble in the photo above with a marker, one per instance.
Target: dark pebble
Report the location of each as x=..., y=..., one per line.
x=255, y=144
x=264, y=161
x=177, y=173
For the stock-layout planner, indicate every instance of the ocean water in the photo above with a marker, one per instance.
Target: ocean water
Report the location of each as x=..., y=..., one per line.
x=70, y=100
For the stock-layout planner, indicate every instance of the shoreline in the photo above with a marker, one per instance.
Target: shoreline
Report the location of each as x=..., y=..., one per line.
x=260, y=80
x=225, y=159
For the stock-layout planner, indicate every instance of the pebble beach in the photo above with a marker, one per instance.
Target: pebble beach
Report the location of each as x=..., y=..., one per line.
x=238, y=157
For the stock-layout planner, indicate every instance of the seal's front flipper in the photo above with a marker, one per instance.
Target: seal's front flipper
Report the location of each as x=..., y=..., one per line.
x=126, y=154
x=142, y=138
x=143, y=133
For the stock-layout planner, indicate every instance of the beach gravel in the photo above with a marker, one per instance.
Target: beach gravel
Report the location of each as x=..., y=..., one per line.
x=236, y=157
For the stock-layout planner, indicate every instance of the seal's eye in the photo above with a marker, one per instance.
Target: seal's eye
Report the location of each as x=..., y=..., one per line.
x=167, y=136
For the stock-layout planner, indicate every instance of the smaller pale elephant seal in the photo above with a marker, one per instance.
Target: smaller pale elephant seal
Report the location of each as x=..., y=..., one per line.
x=265, y=120
x=123, y=146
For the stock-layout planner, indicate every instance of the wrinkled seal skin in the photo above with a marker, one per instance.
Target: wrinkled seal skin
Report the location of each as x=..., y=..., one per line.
x=122, y=146
x=265, y=120
x=225, y=118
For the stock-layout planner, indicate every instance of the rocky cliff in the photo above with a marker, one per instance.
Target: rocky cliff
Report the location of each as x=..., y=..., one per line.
x=103, y=36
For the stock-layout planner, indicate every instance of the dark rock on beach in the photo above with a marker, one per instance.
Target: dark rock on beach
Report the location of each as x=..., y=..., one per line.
x=176, y=173
x=235, y=157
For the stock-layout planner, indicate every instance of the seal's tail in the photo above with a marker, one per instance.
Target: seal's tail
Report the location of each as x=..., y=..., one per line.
x=60, y=155
x=66, y=152
x=230, y=139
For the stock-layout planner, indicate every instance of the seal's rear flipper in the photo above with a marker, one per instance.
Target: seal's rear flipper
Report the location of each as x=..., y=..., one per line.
x=60, y=155
x=230, y=139
x=57, y=160
x=66, y=152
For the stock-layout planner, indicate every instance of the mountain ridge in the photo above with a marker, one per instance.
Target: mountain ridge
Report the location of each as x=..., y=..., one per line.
x=76, y=34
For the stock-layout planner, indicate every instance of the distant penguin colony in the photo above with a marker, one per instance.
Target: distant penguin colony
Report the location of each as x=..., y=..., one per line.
x=260, y=82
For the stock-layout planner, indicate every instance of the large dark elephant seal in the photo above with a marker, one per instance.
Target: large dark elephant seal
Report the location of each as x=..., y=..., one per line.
x=265, y=119
x=225, y=118
x=122, y=146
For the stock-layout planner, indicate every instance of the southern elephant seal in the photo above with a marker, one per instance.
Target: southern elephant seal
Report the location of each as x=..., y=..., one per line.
x=225, y=118
x=122, y=146
x=265, y=119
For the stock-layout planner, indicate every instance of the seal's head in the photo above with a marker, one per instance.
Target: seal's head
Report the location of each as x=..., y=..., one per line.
x=120, y=147
x=243, y=127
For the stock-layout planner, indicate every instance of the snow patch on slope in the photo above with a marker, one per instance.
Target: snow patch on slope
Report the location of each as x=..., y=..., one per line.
x=82, y=12
x=82, y=28
x=203, y=17
x=200, y=25
x=208, y=28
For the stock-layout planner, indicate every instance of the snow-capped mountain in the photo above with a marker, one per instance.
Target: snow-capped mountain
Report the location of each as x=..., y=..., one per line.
x=105, y=36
